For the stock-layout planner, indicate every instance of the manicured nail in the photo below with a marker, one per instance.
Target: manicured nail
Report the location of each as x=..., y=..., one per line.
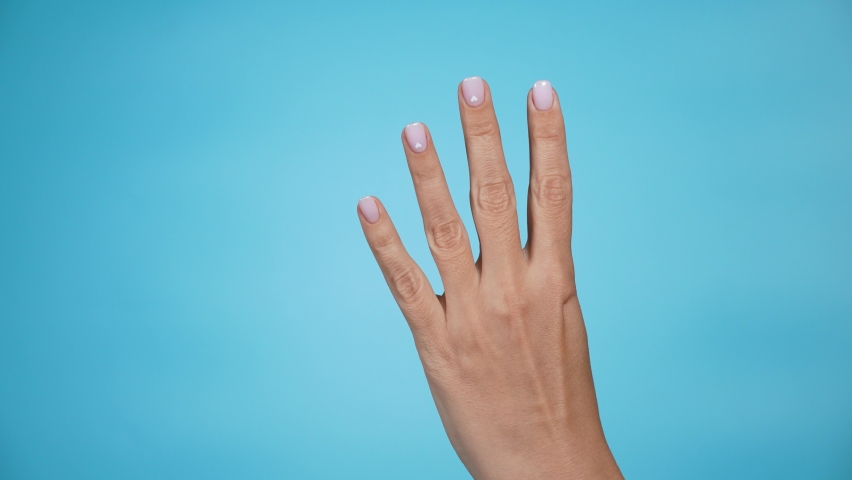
x=473, y=91
x=415, y=134
x=542, y=95
x=369, y=209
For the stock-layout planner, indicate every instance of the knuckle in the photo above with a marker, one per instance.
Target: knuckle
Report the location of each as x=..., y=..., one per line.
x=426, y=175
x=484, y=128
x=513, y=307
x=384, y=243
x=548, y=131
x=407, y=284
x=447, y=235
x=510, y=304
x=556, y=283
x=553, y=190
x=418, y=319
x=494, y=198
x=438, y=359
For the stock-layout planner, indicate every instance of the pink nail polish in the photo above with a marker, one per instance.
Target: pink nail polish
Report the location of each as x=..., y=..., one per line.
x=473, y=91
x=415, y=134
x=369, y=209
x=542, y=95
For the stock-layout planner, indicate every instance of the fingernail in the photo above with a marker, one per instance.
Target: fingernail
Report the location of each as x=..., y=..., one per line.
x=542, y=95
x=369, y=209
x=415, y=134
x=473, y=91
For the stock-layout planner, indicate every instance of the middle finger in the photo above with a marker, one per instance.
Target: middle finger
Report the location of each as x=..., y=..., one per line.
x=492, y=195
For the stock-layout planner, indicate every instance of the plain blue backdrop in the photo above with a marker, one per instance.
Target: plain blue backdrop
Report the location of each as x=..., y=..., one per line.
x=184, y=287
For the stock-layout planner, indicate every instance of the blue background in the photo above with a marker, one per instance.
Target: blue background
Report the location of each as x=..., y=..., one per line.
x=184, y=287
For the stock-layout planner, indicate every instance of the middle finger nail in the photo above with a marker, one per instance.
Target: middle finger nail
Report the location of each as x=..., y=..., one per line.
x=473, y=91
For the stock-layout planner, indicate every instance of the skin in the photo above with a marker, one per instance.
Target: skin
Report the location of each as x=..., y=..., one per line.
x=504, y=348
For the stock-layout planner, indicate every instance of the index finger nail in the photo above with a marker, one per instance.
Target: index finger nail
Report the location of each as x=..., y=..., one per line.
x=542, y=95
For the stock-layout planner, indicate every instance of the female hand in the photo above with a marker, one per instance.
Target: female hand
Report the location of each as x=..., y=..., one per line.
x=504, y=348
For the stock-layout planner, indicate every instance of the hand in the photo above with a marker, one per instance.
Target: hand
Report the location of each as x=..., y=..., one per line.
x=504, y=348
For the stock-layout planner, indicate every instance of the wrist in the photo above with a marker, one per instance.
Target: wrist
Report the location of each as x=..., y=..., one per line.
x=574, y=459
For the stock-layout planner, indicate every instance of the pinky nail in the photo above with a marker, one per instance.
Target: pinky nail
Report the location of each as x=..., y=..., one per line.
x=369, y=209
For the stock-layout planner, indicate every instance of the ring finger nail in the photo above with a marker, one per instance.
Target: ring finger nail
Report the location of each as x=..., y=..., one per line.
x=473, y=91
x=415, y=135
